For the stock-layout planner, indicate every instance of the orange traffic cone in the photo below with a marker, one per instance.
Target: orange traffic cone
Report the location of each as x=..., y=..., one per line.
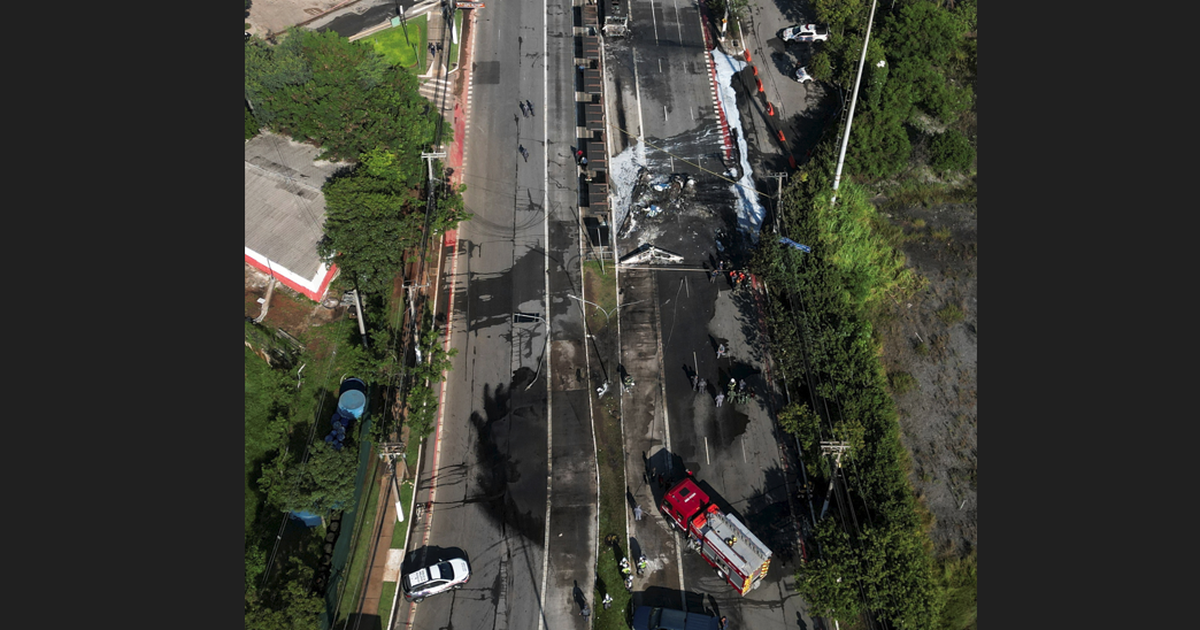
x=780, y=134
x=755, y=69
x=747, y=51
x=760, y=86
x=792, y=161
x=770, y=109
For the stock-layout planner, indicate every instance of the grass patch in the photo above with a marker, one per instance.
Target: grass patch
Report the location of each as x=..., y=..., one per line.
x=600, y=288
x=610, y=457
x=400, y=531
x=385, y=600
x=918, y=223
x=912, y=192
x=941, y=234
x=363, y=538
x=958, y=581
x=458, y=17
x=950, y=314
x=901, y=382
x=922, y=349
x=409, y=52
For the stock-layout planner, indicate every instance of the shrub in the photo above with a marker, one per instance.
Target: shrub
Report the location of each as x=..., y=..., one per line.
x=950, y=314
x=951, y=151
x=901, y=382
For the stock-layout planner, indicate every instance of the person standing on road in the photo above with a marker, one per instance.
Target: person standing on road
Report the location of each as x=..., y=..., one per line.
x=637, y=512
x=720, y=351
x=720, y=399
x=530, y=106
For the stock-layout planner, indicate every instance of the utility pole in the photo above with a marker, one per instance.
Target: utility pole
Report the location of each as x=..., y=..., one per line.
x=778, y=177
x=430, y=157
x=836, y=449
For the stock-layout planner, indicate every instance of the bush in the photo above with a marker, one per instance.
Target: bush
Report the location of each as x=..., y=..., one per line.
x=902, y=382
x=950, y=314
x=951, y=151
x=251, y=124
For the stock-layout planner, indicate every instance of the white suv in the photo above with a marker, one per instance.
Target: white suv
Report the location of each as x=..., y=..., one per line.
x=439, y=577
x=805, y=33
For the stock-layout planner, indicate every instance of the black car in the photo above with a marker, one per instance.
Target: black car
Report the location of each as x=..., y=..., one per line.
x=649, y=618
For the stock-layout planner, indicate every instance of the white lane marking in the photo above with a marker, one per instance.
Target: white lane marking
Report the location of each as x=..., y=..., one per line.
x=546, y=267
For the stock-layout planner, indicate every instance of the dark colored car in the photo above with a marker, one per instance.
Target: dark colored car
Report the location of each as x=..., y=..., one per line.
x=439, y=577
x=648, y=618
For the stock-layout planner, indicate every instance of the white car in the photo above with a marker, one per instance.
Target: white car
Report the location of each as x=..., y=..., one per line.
x=802, y=75
x=805, y=33
x=439, y=577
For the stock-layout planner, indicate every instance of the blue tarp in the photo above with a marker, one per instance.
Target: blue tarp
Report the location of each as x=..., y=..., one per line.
x=308, y=518
x=804, y=248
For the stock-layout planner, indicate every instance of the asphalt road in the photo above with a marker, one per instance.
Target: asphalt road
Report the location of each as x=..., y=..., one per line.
x=515, y=477
x=662, y=82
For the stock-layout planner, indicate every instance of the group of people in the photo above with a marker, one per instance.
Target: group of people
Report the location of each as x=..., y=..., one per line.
x=526, y=108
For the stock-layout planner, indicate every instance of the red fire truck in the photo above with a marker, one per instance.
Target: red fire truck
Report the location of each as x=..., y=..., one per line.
x=738, y=556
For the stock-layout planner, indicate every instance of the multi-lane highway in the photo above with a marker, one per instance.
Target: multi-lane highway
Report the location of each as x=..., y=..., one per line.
x=510, y=477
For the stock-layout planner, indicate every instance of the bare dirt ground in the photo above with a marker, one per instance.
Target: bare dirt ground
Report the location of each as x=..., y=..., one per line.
x=938, y=416
x=289, y=311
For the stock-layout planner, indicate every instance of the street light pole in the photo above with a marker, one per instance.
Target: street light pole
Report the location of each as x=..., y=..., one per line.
x=837, y=178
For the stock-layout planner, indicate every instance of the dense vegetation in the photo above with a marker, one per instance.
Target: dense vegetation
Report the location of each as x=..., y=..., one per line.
x=917, y=91
x=276, y=418
x=341, y=95
x=918, y=79
x=346, y=99
x=376, y=213
x=886, y=565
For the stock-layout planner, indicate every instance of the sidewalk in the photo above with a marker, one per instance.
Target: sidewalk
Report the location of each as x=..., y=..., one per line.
x=385, y=561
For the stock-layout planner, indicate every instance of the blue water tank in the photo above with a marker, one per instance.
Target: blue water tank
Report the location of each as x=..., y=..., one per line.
x=352, y=403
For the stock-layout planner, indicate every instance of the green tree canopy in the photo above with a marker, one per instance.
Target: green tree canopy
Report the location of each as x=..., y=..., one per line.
x=951, y=151
x=323, y=483
x=371, y=216
x=341, y=94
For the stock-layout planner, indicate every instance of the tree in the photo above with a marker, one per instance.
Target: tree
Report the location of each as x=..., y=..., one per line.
x=421, y=403
x=293, y=605
x=343, y=95
x=802, y=422
x=322, y=483
x=951, y=151
x=371, y=217
x=829, y=582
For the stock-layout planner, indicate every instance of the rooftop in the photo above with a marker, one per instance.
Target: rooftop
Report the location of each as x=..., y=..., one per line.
x=285, y=210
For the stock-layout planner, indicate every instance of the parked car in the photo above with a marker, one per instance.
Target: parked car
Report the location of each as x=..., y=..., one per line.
x=805, y=33
x=802, y=75
x=649, y=618
x=437, y=577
